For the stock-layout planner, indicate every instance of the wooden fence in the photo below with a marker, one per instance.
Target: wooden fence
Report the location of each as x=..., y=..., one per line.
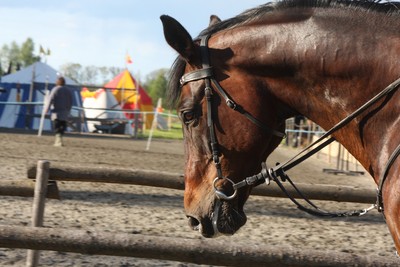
x=25, y=188
x=175, y=181
x=199, y=251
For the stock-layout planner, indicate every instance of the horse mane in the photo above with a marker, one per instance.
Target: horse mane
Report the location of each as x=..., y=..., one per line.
x=259, y=12
x=255, y=14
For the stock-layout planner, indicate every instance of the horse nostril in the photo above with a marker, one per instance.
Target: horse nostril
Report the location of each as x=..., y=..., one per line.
x=193, y=223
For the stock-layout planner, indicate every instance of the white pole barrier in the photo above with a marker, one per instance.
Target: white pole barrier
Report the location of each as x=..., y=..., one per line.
x=45, y=102
x=154, y=124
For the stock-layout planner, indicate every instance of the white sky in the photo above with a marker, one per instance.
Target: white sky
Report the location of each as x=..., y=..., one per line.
x=101, y=32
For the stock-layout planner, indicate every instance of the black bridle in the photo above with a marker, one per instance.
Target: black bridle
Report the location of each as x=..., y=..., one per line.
x=206, y=74
x=278, y=173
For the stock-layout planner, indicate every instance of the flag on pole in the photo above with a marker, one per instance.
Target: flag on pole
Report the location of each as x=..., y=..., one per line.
x=128, y=59
x=42, y=50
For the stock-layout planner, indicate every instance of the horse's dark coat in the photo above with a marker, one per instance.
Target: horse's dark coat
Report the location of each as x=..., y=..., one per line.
x=321, y=59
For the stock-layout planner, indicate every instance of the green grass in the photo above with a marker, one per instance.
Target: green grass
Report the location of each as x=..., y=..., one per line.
x=174, y=133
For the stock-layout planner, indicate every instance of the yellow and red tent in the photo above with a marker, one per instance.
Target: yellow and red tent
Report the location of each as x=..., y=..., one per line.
x=125, y=89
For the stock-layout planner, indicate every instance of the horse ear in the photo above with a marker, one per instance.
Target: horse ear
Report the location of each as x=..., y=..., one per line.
x=178, y=37
x=214, y=19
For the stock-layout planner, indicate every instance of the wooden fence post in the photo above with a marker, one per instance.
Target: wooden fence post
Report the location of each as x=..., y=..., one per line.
x=39, y=200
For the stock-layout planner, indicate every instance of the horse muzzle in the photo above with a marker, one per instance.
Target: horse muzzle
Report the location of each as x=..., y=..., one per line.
x=223, y=220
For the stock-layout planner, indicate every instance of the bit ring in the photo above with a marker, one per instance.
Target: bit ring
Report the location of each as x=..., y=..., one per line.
x=222, y=195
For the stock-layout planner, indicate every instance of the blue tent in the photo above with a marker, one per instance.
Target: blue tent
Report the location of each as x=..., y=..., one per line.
x=23, y=93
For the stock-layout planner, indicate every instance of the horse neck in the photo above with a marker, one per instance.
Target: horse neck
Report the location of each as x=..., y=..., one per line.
x=325, y=73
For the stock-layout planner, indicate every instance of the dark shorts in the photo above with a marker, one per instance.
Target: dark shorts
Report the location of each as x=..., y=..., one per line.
x=59, y=126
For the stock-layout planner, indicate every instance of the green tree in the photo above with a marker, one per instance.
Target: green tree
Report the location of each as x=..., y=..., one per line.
x=72, y=70
x=156, y=84
x=114, y=71
x=10, y=57
x=13, y=56
x=104, y=75
x=5, y=62
x=89, y=75
x=27, y=56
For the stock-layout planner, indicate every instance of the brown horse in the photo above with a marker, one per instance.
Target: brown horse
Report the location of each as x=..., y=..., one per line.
x=321, y=59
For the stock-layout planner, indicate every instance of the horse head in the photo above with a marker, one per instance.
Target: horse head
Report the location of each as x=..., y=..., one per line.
x=229, y=128
x=241, y=78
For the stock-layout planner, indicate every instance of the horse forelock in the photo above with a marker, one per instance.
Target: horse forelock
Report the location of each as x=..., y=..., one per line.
x=175, y=74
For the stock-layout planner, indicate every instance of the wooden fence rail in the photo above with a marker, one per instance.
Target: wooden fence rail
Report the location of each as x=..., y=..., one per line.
x=199, y=251
x=26, y=188
x=175, y=181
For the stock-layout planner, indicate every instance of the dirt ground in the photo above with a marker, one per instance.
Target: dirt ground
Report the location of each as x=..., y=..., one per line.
x=157, y=211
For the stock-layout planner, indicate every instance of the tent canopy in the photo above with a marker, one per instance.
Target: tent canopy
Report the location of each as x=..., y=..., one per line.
x=24, y=89
x=124, y=88
x=101, y=104
x=131, y=96
x=39, y=72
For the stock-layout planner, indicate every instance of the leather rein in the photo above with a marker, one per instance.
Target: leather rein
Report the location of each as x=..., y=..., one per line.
x=278, y=173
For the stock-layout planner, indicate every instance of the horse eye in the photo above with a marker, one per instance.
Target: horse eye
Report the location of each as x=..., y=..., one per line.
x=188, y=116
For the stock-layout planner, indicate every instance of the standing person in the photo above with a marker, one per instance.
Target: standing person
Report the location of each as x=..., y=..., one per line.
x=59, y=103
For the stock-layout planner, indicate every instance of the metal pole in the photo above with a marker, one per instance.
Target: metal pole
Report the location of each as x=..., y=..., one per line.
x=45, y=105
x=137, y=110
x=154, y=124
x=28, y=118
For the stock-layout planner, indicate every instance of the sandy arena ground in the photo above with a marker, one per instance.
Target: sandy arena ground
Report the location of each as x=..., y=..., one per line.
x=157, y=211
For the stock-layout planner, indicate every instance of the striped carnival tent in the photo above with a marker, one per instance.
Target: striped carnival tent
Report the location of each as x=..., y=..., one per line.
x=102, y=105
x=131, y=96
x=22, y=95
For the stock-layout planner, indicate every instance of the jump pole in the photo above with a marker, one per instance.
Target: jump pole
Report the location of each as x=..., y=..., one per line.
x=198, y=251
x=176, y=181
x=39, y=200
x=26, y=188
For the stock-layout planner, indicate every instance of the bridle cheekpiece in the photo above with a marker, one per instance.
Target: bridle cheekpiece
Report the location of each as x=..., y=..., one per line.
x=206, y=74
